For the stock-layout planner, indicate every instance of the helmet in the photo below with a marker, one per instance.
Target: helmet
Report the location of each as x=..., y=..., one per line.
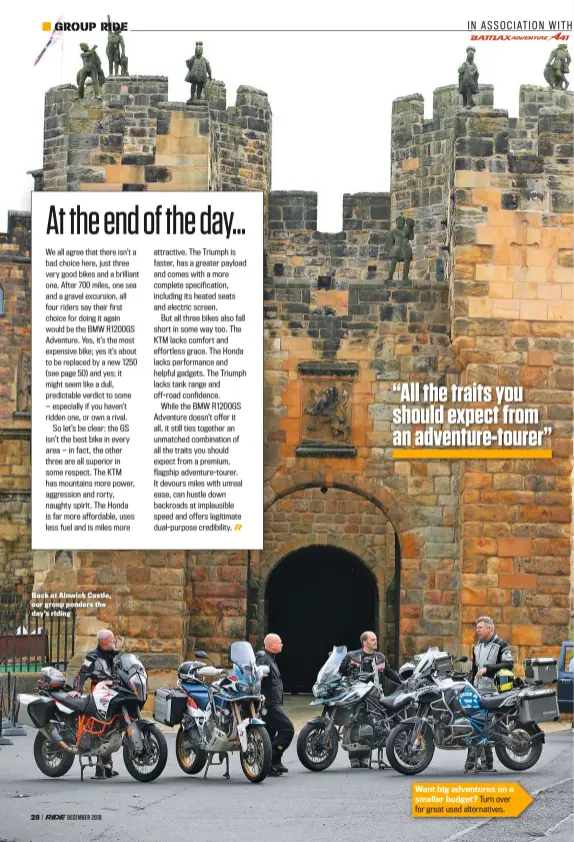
x=184, y=671
x=51, y=679
x=504, y=681
x=406, y=671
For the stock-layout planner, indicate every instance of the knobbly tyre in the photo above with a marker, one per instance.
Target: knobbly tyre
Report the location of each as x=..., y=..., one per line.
x=454, y=715
x=355, y=713
x=218, y=718
x=96, y=724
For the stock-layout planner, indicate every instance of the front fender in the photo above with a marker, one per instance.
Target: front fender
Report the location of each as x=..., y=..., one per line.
x=317, y=720
x=242, y=730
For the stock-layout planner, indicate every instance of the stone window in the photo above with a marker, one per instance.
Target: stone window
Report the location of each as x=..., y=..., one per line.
x=1, y=302
x=324, y=282
x=278, y=268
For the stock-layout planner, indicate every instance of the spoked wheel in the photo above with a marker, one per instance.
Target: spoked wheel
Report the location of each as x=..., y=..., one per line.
x=150, y=763
x=191, y=762
x=520, y=753
x=405, y=758
x=256, y=761
x=51, y=760
x=315, y=749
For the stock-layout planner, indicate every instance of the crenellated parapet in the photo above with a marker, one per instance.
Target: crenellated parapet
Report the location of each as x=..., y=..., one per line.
x=134, y=138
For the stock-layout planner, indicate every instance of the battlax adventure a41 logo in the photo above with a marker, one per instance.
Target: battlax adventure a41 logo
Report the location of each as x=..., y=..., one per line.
x=512, y=37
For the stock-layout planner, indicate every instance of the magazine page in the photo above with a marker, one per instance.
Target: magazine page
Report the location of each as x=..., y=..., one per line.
x=286, y=408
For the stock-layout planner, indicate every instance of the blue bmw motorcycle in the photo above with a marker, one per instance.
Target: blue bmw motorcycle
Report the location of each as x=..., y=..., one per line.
x=452, y=714
x=223, y=716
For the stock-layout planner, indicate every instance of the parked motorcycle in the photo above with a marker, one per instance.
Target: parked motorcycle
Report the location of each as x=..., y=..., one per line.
x=94, y=725
x=220, y=717
x=355, y=713
x=452, y=714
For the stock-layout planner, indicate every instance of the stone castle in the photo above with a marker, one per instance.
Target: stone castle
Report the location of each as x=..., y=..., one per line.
x=416, y=549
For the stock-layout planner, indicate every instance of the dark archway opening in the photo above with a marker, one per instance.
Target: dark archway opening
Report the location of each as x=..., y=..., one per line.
x=318, y=597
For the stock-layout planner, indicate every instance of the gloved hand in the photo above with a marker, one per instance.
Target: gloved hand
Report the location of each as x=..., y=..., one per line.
x=74, y=693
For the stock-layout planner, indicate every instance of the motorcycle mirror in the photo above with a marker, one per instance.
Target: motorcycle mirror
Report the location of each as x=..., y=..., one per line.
x=463, y=659
x=200, y=653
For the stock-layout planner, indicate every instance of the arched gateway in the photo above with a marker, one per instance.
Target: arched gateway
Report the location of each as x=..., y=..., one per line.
x=328, y=572
x=318, y=597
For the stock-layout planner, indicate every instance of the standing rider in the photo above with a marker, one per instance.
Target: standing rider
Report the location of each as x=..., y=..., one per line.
x=489, y=655
x=364, y=661
x=279, y=726
x=97, y=666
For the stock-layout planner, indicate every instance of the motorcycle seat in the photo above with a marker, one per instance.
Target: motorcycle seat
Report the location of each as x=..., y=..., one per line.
x=389, y=701
x=495, y=701
x=76, y=703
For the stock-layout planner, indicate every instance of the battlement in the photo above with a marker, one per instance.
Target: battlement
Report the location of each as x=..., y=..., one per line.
x=330, y=260
x=16, y=240
x=134, y=138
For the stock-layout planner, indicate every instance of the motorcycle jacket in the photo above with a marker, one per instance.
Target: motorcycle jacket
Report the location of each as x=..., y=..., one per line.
x=360, y=661
x=272, y=684
x=97, y=666
x=492, y=655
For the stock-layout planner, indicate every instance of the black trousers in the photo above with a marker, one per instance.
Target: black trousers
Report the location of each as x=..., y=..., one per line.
x=476, y=753
x=280, y=729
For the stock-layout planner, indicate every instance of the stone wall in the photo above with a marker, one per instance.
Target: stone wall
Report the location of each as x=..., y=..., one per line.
x=16, y=574
x=512, y=326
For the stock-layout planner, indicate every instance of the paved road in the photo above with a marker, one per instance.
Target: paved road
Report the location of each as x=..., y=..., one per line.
x=340, y=804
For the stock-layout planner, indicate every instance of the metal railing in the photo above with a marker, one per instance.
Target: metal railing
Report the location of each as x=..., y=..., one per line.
x=30, y=640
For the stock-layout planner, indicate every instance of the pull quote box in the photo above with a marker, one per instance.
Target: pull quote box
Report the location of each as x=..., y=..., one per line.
x=147, y=371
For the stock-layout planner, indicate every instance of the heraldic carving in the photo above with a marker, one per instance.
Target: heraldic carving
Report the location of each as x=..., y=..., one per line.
x=329, y=411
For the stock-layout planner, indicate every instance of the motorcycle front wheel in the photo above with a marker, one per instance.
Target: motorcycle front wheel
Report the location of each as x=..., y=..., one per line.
x=256, y=761
x=520, y=754
x=312, y=750
x=402, y=757
x=191, y=762
x=51, y=760
x=149, y=764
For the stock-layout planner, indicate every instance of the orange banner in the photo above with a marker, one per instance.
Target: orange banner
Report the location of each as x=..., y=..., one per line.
x=479, y=800
x=470, y=453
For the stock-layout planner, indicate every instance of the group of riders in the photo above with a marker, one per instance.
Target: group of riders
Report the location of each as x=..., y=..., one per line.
x=491, y=657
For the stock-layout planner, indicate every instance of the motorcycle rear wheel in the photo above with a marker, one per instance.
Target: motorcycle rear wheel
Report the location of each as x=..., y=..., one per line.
x=51, y=760
x=529, y=758
x=256, y=761
x=399, y=755
x=311, y=748
x=155, y=744
x=190, y=762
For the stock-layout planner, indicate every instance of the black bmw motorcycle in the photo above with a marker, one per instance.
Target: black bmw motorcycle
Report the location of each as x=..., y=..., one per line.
x=94, y=726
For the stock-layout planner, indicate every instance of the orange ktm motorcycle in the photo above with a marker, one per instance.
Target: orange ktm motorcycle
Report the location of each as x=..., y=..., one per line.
x=94, y=726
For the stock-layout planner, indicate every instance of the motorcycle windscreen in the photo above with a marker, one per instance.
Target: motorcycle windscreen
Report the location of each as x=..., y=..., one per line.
x=426, y=662
x=243, y=660
x=332, y=664
x=133, y=675
x=129, y=662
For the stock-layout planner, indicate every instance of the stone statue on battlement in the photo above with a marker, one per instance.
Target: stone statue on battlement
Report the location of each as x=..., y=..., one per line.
x=91, y=69
x=198, y=73
x=116, y=52
x=399, y=246
x=468, y=79
x=557, y=67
